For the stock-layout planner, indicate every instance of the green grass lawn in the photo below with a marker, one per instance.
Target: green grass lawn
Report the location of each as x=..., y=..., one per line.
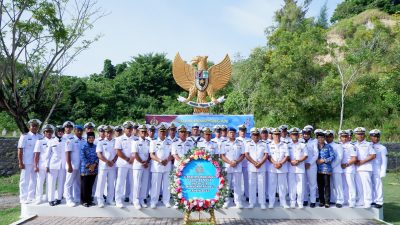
x=9, y=215
x=391, y=212
x=9, y=185
x=391, y=207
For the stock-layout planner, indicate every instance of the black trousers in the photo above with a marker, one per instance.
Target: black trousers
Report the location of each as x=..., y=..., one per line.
x=86, y=188
x=324, y=187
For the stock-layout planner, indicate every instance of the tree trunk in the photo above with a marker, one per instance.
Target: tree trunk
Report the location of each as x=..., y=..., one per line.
x=341, y=109
x=21, y=123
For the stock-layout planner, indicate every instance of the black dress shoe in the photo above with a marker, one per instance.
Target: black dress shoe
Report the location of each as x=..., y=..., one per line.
x=327, y=205
x=378, y=206
x=305, y=203
x=52, y=203
x=312, y=205
x=373, y=203
x=86, y=204
x=58, y=202
x=338, y=205
x=321, y=204
x=126, y=200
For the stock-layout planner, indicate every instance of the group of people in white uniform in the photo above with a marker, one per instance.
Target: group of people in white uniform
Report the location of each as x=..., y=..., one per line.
x=133, y=162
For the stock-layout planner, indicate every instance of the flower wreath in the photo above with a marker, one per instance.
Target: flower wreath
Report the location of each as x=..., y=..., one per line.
x=198, y=204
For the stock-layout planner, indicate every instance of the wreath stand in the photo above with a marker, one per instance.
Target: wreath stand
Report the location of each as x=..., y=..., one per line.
x=211, y=219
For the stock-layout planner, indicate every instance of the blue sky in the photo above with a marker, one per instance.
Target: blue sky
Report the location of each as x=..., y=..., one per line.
x=207, y=27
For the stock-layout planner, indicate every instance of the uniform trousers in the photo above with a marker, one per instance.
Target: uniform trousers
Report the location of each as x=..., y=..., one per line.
x=337, y=188
x=235, y=184
x=56, y=177
x=27, y=183
x=296, y=186
x=140, y=184
x=364, y=188
x=310, y=190
x=106, y=181
x=158, y=180
x=256, y=185
x=349, y=189
x=377, y=189
x=122, y=179
x=245, y=181
x=277, y=180
x=72, y=188
x=41, y=179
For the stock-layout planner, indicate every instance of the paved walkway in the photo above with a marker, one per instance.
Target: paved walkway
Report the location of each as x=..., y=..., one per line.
x=165, y=221
x=8, y=201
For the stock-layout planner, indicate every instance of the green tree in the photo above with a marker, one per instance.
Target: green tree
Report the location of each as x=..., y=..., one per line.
x=37, y=41
x=109, y=70
x=350, y=8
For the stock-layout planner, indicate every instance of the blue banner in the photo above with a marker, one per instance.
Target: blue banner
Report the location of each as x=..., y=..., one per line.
x=199, y=180
x=203, y=120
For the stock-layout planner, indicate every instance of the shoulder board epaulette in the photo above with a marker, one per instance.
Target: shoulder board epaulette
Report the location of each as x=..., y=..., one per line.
x=175, y=140
x=248, y=140
x=213, y=141
x=239, y=140
x=223, y=141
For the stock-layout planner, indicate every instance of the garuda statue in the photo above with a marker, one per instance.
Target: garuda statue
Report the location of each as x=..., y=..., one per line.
x=201, y=81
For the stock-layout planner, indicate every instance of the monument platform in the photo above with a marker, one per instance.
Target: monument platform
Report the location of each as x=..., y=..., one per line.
x=278, y=212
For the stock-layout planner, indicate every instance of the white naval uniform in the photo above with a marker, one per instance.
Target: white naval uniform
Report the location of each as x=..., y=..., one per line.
x=211, y=147
x=349, y=182
x=195, y=139
x=245, y=172
x=173, y=139
x=129, y=182
x=219, y=143
x=160, y=173
x=267, y=165
x=72, y=188
x=233, y=150
x=278, y=177
x=124, y=169
x=379, y=171
x=256, y=151
x=310, y=190
x=41, y=148
x=27, y=181
x=107, y=175
x=364, y=172
x=337, y=195
x=56, y=164
x=296, y=175
x=140, y=175
x=180, y=148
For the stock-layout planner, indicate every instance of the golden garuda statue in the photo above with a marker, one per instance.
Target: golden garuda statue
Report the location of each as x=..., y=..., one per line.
x=201, y=81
